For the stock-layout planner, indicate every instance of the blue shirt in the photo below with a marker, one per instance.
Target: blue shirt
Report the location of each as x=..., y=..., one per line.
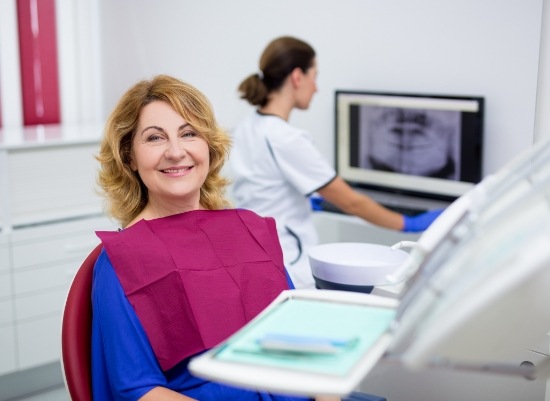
x=124, y=366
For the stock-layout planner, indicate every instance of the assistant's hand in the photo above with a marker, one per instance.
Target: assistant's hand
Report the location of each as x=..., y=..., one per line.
x=420, y=222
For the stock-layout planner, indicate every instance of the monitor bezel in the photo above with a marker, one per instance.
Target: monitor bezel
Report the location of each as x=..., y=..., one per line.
x=433, y=188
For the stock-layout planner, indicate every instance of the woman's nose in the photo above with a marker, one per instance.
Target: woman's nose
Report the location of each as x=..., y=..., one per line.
x=175, y=150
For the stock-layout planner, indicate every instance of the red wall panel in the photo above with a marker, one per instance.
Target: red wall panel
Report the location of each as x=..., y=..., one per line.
x=39, y=69
x=0, y=109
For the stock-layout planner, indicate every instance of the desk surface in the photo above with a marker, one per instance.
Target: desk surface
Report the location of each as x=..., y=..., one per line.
x=417, y=202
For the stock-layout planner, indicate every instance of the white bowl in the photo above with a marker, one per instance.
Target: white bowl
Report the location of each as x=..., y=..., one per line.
x=355, y=264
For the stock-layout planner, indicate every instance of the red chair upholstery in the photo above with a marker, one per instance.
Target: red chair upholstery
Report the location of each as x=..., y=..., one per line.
x=76, y=332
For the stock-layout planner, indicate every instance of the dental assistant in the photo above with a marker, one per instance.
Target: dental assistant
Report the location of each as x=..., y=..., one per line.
x=276, y=166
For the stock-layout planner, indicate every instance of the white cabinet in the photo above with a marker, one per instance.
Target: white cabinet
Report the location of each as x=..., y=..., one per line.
x=49, y=212
x=4, y=255
x=7, y=349
x=7, y=329
x=48, y=173
x=44, y=261
x=63, y=180
x=38, y=264
x=5, y=278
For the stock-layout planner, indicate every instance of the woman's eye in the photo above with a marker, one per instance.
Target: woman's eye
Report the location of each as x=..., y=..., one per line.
x=154, y=138
x=188, y=134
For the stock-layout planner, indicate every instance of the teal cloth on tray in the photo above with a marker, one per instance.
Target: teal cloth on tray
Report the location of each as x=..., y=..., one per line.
x=364, y=324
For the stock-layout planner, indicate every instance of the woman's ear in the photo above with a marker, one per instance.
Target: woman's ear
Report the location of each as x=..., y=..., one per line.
x=296, y=76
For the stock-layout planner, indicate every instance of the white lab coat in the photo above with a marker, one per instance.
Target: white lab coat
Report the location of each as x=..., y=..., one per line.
x=275, y=167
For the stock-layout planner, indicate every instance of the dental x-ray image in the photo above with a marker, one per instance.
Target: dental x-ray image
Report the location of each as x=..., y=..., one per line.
x=410, y=141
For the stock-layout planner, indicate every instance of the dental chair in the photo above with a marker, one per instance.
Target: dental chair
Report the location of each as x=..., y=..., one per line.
x=76, y=332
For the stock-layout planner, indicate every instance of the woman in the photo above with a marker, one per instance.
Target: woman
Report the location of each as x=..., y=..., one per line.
x=276, y=166
x=176, y=280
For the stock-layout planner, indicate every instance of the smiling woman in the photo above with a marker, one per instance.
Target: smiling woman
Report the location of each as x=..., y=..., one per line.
x=171, y=159
x=147, y=105
x=186, y=271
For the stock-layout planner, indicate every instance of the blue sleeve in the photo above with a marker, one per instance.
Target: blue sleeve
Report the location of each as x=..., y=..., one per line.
x=124, y=366
x=289, y=280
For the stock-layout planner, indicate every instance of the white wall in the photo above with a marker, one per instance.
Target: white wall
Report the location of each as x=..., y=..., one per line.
x=542, y=117
x=10, y=92
x=471, y=47
x=79, y=61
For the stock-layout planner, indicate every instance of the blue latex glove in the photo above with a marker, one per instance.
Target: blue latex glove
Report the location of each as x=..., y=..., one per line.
x=316, y=203
x=422, y=221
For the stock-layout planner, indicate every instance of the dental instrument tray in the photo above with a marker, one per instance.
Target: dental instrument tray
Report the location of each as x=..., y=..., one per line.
x=306, y=342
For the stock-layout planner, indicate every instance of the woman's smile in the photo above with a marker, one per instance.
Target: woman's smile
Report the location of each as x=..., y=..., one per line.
x=176, y=171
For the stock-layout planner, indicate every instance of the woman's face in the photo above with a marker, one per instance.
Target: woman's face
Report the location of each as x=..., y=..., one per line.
x=171, y=158
x=308, y=87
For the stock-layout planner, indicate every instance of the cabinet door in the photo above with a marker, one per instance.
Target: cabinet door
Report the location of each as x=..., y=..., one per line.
x=7, y=329
x=63, y=186
x=7, y=337
x=7, y=349
x=35, y=305
x=65, y=240
x=38, y=341
x=4, y=253
x=53, y=250
x=6, y=312
x=5, y=285
x=44, y=261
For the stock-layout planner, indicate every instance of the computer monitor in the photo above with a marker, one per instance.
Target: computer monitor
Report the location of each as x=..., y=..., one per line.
x=416, y=144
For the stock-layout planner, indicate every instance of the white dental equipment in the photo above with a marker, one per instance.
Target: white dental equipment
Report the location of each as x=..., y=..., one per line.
x=476, y=291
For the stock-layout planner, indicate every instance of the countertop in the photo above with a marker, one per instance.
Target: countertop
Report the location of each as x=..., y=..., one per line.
x=49, y=135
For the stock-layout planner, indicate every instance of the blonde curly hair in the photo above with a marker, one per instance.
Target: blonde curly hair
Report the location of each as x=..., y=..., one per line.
x=125, y=193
